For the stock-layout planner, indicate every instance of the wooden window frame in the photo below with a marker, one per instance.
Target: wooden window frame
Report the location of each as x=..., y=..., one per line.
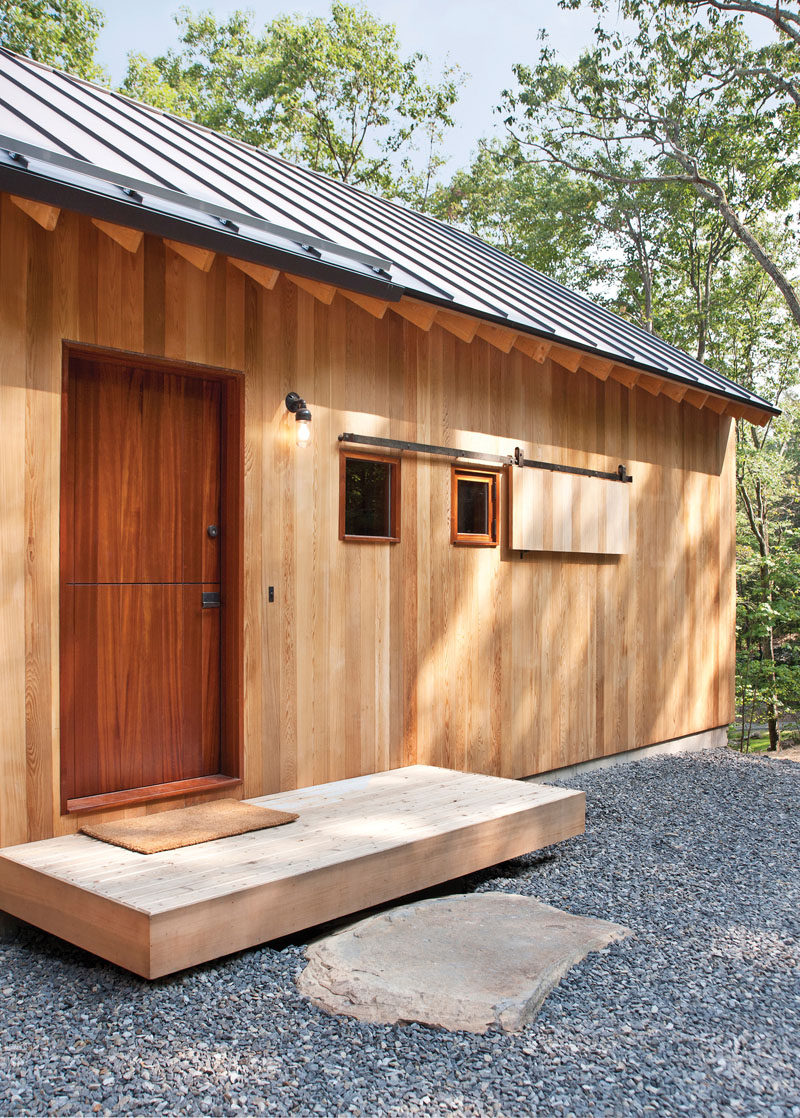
x=394, y=497
x=492, y=479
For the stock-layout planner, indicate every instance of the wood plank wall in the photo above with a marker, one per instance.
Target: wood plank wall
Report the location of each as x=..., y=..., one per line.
x=372, y=655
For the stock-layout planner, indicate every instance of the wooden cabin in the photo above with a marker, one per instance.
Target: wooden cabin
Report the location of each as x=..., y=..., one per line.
x=506, y=547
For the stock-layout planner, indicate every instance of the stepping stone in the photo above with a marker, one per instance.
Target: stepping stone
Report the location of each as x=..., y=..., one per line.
x=468, y=962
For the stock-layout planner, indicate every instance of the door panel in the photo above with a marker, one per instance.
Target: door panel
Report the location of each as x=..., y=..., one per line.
x=140, y=655
x=146, y=661
x=145, y=463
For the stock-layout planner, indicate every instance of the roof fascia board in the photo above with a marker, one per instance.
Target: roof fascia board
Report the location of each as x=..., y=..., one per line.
x=211, y=209
x=746, y=399
x=136, y=216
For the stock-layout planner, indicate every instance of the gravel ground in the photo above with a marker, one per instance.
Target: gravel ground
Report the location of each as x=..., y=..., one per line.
x=698, y=1013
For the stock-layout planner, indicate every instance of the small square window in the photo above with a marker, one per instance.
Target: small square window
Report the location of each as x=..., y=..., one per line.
x=474, y=508
x=369, y=497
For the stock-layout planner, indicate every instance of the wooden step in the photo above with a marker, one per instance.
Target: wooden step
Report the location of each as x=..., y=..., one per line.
x=357, y=843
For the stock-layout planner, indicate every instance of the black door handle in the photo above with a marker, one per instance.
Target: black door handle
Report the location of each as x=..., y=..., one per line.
x=213, y=531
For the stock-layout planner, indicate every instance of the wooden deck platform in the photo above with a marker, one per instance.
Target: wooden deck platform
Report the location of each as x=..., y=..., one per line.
x=357, y=843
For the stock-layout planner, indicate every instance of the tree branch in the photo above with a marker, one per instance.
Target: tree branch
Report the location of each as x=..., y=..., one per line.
x=779, y=82
x=708, y=189
x=782, y=18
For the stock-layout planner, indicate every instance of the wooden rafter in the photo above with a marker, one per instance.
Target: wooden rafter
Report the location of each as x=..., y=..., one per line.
x=123, y=235
x=376, y=307
x=756, y=417
x=499, y=336
x=567, y=358
x=674, y=390
x=653, y=385
x=535, y=348
x=422, y=315
x=201, y=258
x=717, y=404
x=462, y=325
x=46, y=216
x=322, y=291
x=696, y=398
x=625, y=375
x=599, y=367
x=267, y=277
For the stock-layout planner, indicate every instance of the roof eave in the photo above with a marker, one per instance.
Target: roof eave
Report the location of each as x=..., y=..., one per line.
x=148, y=220
x=52, y=192
x=748, y=401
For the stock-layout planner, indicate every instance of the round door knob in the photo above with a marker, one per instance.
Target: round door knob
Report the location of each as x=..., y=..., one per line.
x=213, y=531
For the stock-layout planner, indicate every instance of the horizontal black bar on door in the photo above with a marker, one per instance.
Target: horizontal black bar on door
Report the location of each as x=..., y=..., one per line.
x=515, y=459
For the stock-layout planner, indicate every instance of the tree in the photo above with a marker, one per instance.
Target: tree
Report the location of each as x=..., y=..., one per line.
x=335, y=94
x=649, y=253
x=690, y=97
x=60, y=33
x=541, y=215
x=757, y=345
x=768, y=574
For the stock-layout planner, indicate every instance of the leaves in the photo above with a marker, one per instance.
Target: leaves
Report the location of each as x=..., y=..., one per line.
x=334, y=94
x=688, y=98
x=59, y=33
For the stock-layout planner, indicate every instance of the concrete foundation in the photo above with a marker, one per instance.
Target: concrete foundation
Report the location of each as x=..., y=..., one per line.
x=708, y=739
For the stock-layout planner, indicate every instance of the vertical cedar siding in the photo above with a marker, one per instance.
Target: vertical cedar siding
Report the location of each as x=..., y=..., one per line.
x=371, y=657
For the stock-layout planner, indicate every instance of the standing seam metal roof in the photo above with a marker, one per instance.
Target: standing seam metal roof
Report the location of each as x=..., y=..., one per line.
x=90, y=142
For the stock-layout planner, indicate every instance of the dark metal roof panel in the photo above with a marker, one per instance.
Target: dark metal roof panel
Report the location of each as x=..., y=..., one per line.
x=186, y=172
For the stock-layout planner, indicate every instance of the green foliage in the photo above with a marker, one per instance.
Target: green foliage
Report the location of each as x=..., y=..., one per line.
x=648, y=252
x=759, y=344
x=542, y=215
x=61, y=33
x=335, y=94
x=768, y=586
x=681, y=99
x=686, y=85
x=211, y=80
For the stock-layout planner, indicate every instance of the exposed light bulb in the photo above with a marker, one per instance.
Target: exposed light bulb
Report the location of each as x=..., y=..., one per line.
x=303, y=432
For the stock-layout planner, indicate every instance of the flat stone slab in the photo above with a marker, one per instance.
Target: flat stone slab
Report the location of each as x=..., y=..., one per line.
x=468, y=962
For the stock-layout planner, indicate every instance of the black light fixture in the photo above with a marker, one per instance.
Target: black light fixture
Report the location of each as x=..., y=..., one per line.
x=297, y=405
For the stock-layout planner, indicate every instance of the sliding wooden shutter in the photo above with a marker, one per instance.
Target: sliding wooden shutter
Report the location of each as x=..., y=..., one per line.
x=552, y=511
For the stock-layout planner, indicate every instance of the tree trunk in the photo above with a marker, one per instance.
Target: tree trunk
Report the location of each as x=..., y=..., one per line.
x=774, y=735
x=759, y=525
x=768, y=657
x=712, y=192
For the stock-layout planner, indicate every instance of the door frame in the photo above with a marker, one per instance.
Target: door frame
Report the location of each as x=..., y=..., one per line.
x=231, y=583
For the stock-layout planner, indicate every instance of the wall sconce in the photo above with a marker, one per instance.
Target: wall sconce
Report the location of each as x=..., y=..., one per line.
x=302, y=415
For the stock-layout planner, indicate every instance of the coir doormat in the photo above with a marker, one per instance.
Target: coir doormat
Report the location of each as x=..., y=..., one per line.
x=187, y=826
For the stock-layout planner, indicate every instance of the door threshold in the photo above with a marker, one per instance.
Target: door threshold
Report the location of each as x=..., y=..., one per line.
x=151, y=793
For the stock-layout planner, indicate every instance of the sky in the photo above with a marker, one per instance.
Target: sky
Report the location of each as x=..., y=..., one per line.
x=484, y=38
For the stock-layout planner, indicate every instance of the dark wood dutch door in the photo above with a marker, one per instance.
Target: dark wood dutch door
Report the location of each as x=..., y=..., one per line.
x=140, y=609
